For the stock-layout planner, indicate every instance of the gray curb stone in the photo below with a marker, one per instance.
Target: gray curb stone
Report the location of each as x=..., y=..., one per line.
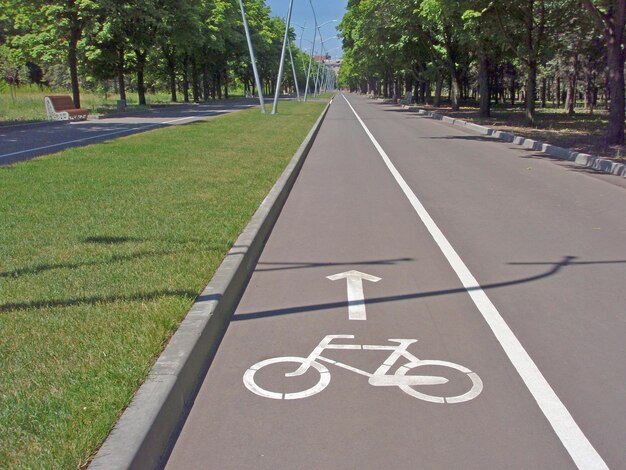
x=143, y=435
x=589, y=161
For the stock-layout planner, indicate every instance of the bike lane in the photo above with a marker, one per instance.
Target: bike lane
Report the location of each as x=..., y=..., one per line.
x=346, y=212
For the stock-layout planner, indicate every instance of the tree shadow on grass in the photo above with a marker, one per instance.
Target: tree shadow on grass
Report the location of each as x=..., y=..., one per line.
x=39, y=268
x=95, y=300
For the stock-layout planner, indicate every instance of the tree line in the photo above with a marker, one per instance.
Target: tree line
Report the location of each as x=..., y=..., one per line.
x=193, y=48
x=532, y=51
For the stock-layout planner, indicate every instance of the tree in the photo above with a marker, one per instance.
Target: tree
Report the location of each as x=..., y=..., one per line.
x=611, y=17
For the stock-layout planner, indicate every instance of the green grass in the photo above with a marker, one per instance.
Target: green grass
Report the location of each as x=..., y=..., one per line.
x=102, y=251
x=27, y=103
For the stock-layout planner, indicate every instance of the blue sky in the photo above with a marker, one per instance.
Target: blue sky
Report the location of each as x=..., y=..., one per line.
x=302, y=15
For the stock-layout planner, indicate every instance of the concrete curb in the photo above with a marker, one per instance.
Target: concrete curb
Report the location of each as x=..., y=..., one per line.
x=582, y=159
x=143, y=434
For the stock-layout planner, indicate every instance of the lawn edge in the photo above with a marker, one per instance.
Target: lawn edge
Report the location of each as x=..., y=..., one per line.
x=143, y=435
x=603, y=165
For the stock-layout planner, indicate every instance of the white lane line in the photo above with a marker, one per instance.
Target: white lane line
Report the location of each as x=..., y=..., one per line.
x=99, y=136
x=575, y=442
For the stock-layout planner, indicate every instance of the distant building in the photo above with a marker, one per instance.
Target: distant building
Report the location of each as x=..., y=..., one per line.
x=321, y=58
x=334, y=64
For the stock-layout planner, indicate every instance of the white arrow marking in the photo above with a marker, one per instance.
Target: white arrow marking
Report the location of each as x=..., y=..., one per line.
x=356, y=298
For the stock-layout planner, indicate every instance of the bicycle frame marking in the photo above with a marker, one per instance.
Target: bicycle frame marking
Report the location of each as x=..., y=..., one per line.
x=380, y=377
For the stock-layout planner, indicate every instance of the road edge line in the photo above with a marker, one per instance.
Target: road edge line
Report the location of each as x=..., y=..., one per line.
x=582, y=452
x=585, y=160
x=143, y=434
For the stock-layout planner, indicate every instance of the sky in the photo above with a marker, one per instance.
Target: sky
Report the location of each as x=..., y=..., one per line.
x=326, y=10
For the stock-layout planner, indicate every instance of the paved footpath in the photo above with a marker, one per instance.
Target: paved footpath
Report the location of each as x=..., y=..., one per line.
x=492, y=331
x=18, y=143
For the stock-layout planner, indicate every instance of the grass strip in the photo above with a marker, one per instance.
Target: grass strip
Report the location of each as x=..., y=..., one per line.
x=102, y=252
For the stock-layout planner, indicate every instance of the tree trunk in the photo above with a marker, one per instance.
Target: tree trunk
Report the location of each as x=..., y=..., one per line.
x=120, y=74
x=438, y=88
x=615, y=130
x=205, y=83
x=455, y=90
x=612, y=23
x=512, y=91
x=186, y=78
x=531, y=85
x=558, y=92
x=141, y=87
x=543, y=92
x=483, y=84
x=226, y=84
x=171, y=67
x=570, y=99
x=195, y=81
x=75, y=34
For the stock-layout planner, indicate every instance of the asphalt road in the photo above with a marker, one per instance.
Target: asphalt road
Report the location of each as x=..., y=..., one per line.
x=500, y=300
x=18, y=143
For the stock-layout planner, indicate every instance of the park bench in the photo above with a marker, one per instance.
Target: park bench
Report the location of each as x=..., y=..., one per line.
x=61, y=108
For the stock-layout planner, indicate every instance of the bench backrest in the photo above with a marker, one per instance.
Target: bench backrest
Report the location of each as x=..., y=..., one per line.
x=62, y=102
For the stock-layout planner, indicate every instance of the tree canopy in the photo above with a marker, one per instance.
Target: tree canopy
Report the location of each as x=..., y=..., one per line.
x=196, y=48
x=490, y=51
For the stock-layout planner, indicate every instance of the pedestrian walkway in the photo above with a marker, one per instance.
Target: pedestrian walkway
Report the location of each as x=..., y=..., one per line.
x=18, y=143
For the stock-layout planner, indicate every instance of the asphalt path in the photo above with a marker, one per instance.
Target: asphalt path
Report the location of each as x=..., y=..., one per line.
x=18, y=143
x=492, y=329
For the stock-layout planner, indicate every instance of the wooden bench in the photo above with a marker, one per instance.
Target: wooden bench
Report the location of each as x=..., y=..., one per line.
x=61, y=108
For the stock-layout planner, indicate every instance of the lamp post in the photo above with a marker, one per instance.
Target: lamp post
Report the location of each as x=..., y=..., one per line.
x=252, y=59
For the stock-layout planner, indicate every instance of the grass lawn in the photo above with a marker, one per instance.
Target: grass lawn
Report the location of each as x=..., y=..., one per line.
x=102, y=251
x=27, y=104
x=583, y=132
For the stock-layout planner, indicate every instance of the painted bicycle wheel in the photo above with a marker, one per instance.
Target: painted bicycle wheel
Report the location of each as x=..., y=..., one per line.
x=473, y=392
x=322, y=382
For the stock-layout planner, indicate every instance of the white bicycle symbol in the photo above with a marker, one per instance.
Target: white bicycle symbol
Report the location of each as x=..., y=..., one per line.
x=379, y=378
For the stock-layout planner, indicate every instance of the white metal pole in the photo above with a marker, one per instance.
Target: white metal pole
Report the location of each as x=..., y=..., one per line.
x=293, y=68
x=252, y=59
x=282, y=60
x=308, y=75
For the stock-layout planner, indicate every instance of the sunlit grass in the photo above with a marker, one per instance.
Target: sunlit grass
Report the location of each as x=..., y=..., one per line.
x=26, y=104
x=102, y=251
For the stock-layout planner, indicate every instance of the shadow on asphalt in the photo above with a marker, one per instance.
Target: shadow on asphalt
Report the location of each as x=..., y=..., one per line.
x=301, y=265
x=479, y=138
x=567, y=261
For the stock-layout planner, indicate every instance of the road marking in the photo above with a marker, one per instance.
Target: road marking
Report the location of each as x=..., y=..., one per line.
x=99, y=136
x=356, y=298
x=575, y=442
x=380, y=377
